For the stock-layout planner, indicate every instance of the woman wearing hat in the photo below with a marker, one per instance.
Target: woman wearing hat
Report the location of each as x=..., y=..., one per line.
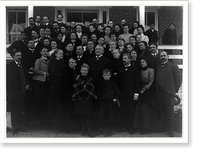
x=145, y=118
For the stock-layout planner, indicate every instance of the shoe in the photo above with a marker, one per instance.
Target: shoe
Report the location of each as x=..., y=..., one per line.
x=90, y=134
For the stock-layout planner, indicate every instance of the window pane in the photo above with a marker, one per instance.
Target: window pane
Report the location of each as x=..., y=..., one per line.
x=104, y=17
x=89, y=16
x=73, y=16
x=16, y=24
x=150, y=18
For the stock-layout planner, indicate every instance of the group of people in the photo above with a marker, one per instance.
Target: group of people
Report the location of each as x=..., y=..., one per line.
x=105, y=78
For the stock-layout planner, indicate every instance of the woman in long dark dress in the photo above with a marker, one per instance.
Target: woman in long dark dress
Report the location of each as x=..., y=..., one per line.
x=145, y=118
x=84, y=93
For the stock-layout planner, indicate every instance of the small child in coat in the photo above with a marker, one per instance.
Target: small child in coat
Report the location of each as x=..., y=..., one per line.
x=83, y=95
x=108, y=96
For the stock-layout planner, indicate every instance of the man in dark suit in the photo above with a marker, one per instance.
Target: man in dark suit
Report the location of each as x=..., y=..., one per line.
x=90, y=53
x=168, y=82
x=31, y=27
x=19, y=44
x=153, y=57
x=98, y=64
x=152, y=34
x=37, y=22
x=81, y=58
x=16, y=86
x=46, y=23
x=129, y=84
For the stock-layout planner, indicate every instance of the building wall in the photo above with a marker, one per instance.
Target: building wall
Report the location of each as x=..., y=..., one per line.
x=117, y=13
x=167, y=15
x=42, y=11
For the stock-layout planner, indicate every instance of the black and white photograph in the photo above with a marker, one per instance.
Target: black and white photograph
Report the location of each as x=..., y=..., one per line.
x=95, y=72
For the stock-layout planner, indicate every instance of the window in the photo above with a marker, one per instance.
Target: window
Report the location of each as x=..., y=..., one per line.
x=149, y=18
x=15, y=24
x=80, y=17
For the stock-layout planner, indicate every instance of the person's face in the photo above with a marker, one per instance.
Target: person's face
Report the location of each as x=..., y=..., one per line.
x=153, y=49
x=142, y=46
x=78, y=29
x=94, y=37
x=98, y=50
x=31, y=22
x=84, y=39
x=87, y=24
x=101, y=41
x=72, y=63
x=113, y=37
x=45, y=20
x=91, y=29
x=84, y=71
x=73, y=24
x=123, y=22
x=17, y=57
x=135, y=25
x=94, y=21
x=79, y=50
x=99, y=28
x=132, y=40
x=140, y=31
x=120, y=43
x=117, y=28
x=106, y=76
x=60, y=18
x=59, y=55
x=126, y=29
x=37, y=19
x=47, y=32
x=62, y=29
x=116, y=54
x=46, y=42
x=172, y=27
x=112, y=45
x=129, y=48
x=41, y=32
x=143, y=63
x=44, y=52
x=59, y=37
x=34, y=35
x=110, y=23
x=73, y=36
x=53, y=45
x=133, y=54
x=163, y=57
x=23, y=36
x=90, y=45
x=69, y=47
x=152, y=26
x=107, y=31
x=31, y=44
x=138, y=38
x=55, y=26
x=126, y=60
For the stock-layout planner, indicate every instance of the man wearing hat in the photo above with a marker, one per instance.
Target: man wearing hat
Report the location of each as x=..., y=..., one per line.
x=16, y=86
x=168, y=82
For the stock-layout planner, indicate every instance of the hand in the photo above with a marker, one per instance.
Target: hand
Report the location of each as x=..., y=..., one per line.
x=135, y=96
x=114, y=100
x=114, y=74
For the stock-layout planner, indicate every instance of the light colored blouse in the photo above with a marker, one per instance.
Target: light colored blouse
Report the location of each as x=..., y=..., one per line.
x=147, y=77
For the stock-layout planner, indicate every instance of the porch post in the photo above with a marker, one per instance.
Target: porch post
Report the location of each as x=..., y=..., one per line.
x=30, y=11
x=142, y=15
x=100, y=20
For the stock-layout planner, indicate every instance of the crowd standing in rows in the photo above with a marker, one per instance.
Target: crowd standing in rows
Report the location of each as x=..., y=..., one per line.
x=102, y=78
